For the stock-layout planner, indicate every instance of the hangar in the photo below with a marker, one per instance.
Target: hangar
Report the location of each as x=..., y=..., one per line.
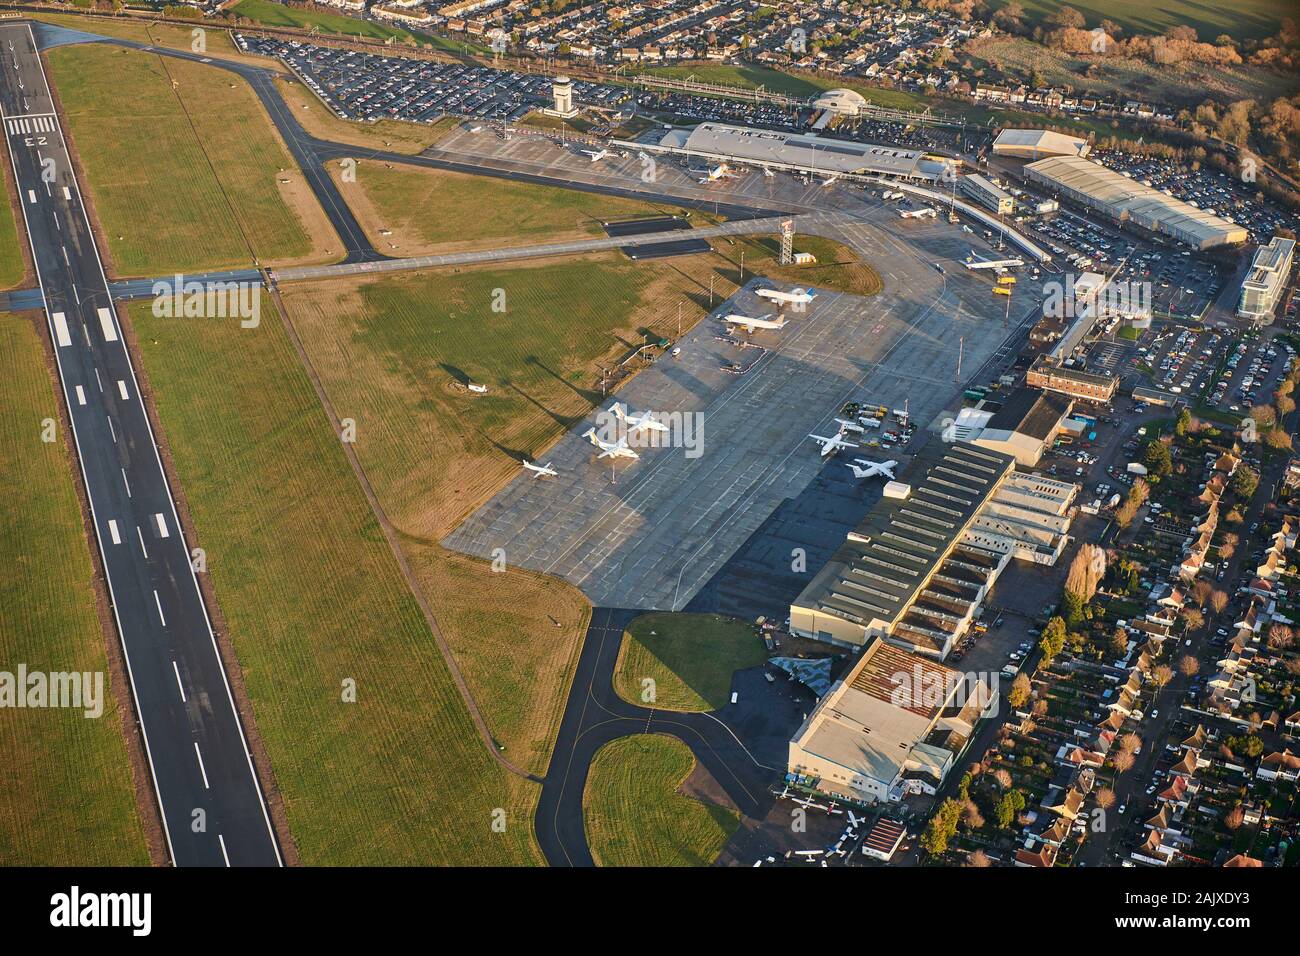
x=1038, y=144
x=1130, y=202
x=1023, y=426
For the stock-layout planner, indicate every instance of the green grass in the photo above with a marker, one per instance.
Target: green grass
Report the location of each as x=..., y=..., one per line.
x=66, y=796
x=634, y=815
x=429, y=210
x=690, y=658
x=161, y=206
x=273, y=14
x=1241, y=19
x=312, y=597
x=12, y=269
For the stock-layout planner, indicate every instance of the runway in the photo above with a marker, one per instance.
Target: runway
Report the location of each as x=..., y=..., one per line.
x=212, y=807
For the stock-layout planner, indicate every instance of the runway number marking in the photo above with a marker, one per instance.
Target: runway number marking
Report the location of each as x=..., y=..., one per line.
x=61, y=330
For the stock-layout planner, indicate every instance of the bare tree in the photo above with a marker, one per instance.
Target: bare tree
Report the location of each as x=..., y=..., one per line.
x=978, y=859
x=1202, y=592
x=1105, y=798
x=1123, y=762
x=1130, y=744
x=1280, y=637
x=1234, y=818
x=1218, y=601
x=1188, y=665
x=1162, y=675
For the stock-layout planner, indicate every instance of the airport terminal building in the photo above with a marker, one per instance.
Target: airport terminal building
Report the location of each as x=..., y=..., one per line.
x=917, y=569
x=1266, y=280
x=1130, y=202
x=797, y=152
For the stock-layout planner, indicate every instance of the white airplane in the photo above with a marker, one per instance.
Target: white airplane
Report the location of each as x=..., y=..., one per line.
x=802, y=296
x=616, y=449
x=848, y=426
x=872, y=469
x=750, y=324
x=831, y=445
x=716, y=173
x=596, y=155
x=541, y=470
x=636, y=423
x=856, y=821
x=767, y=171
x=924, y=213
x=829, y=181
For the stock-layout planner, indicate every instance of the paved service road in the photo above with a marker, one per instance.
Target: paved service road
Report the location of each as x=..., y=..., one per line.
x=212, y=806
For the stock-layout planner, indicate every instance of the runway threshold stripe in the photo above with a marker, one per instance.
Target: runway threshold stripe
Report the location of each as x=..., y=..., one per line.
x=67, y=194
x=112, y=531
x=106, y=323
x=61, y=330
x=121, y=390
x=162, y=526
x=81, y=395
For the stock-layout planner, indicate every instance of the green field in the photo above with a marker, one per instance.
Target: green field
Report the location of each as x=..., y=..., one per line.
x=429, y=210
x=690, y=658
x=183, y=178
x=12, y=269
x=66, y=795
x=312, y=597
x=394, y=352
x=634, y=815
x=273, y=14
x=1241, y=19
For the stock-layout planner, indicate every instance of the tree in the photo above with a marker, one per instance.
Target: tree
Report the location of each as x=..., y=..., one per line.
x=1119, y=642
x=1019, y=693
x=1162, y=675
x=971, y=817
x=1003, y=778
x=1188, y=665
x=941, y=828
x=978, y=859
x=1105, y=798
x=1219, y=599
x=1006, y=808
x=1193, y=620
x=1183, y=423
x=1157, y=459
x=1244, y=482
x=1066, y=18
x=1280, y=637
x=1053, y=639
x=1123, y=762
x=1262, y=415
x=1202, y=592
x=1247, y=745
x=1130, y=744
x=1234, y=818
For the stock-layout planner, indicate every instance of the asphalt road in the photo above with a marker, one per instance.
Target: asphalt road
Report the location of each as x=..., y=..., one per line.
x=212, y=806
x=594, y=715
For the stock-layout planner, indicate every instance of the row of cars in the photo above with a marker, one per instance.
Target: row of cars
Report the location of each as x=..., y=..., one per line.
x=366, y=86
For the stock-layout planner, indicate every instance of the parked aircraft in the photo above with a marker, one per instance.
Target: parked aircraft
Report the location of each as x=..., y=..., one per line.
x=798, y=295
x=872, y=469
x=636, y=423
x=596, y=155
x=616, y=449
x=541, y=470
x=831, y=445
x=750, y=324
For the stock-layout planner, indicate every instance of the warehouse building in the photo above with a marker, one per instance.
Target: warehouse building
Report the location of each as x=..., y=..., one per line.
x=1266, y=280
x=1023, y=425
x=1131, y=203
x=893, y=726
x=1034, y=144
x=797, y=152
x=987, y=194
x=917, y=569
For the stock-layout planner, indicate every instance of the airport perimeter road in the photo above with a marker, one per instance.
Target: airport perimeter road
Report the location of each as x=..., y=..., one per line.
x=212, y=806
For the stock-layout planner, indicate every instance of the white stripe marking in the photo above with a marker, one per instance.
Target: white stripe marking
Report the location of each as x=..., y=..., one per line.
x=31, y=196
x=125, y=482
x=61, y=330
x=178, y=681
x=111, y=430
x=106, y=323
x=121, y=389
x=224, y=856
x=201, y=770
x=158, y=601
x=112, y=531
x=162, y=526
x=81, y=395
x=140, y=534
x=67, y=194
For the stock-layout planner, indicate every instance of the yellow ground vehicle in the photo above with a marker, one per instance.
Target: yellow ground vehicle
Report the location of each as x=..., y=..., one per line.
x=1001, y=290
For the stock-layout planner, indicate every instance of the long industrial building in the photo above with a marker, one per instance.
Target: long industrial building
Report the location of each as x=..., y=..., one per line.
x=1130, y=202
x=918, y=567
x=719, y=142
x=1038, y=144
